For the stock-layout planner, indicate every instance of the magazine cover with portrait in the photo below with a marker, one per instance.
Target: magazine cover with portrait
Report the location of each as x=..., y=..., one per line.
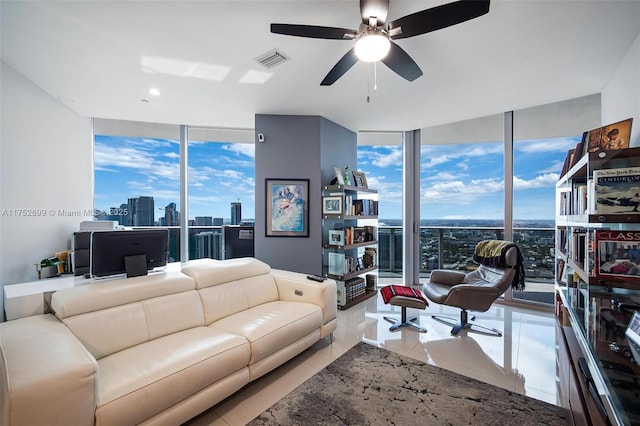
x=607, y=138
x=618, y=254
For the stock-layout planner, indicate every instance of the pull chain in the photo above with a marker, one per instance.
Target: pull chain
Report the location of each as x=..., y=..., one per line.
x=375, y=76
x=375, y=79
x=368, y=81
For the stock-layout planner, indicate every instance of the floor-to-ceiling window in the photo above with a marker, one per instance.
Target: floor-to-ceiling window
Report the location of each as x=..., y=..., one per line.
x=463, y=186
x=221, y=192
x=542, y=137
x=380, y=158
x=137, y=180
x=461, y=192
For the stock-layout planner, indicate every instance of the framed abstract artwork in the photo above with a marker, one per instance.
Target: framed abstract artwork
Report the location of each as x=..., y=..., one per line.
x=287, y=207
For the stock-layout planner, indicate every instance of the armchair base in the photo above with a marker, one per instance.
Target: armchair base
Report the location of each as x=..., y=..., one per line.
x=465, y=323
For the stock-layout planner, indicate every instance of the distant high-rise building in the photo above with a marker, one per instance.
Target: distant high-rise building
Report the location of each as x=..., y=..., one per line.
x=171, y=215
x=236, y=213
x=204, y=221
x=123, y=214
x=209, y=245
x=218, y=221
x=141, y=212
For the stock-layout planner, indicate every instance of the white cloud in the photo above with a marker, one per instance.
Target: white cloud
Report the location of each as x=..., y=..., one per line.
x=441, y=176
x=241, y=148
x=545, y=145
x=540, y=181
x=457, y=192
x=433, y=155
x=383, y=156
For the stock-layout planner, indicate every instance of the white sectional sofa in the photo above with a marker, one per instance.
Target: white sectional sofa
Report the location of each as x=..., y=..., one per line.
x=158, y=349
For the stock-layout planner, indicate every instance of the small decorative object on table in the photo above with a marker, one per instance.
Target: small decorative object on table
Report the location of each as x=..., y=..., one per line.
x=48, y=267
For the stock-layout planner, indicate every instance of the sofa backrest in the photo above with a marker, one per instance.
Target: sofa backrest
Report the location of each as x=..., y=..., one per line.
x=231, y=286
x=113, y=315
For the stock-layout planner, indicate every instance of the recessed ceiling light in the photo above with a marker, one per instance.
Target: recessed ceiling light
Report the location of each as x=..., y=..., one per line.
x=144, y=100
x=153, y=91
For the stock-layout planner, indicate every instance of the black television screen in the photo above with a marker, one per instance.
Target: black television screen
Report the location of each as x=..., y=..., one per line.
x=143, y=250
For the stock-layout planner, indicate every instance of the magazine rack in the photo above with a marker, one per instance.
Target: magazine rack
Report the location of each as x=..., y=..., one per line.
x=598, y=285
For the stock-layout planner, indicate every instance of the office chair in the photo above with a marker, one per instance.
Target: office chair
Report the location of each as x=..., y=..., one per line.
x=500, y=266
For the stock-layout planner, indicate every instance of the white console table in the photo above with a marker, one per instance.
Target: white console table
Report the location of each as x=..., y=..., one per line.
x=32, y=298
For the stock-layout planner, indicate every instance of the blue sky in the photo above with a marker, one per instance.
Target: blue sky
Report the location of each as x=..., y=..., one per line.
x=457, y=181
x=465, y=181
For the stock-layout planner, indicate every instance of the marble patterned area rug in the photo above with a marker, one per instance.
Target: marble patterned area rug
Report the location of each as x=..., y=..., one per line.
x=369, y=385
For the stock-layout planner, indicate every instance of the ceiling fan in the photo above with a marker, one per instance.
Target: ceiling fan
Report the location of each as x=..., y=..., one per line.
x=374, y=37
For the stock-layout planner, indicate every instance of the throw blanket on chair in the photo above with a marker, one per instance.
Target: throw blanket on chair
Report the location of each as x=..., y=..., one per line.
x=492, y=253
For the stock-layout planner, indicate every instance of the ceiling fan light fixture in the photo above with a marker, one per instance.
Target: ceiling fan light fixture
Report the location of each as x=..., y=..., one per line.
x=372, y=46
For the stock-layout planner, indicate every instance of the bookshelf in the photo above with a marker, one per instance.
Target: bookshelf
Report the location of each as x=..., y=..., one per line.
x=598, y=289
x=350, y=241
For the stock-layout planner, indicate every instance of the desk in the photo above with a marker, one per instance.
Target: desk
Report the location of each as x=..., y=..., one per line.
x=32, y=298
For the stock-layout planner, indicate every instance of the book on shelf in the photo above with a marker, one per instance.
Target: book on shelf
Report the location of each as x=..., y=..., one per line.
x=578, y=248
x=350, y=290
x=560, y=272
x=617, y=191
x=579, y=199
x=369, y=257
x=360, y=207
x=618, y=254
x=561, y=239
x=590, y=253
x=372, y=282
x=341, y=264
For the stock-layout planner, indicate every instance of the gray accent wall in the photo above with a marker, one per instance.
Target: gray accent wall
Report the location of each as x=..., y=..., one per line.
x=298, y=147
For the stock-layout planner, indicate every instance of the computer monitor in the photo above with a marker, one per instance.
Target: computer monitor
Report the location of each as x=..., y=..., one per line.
x=128, y=252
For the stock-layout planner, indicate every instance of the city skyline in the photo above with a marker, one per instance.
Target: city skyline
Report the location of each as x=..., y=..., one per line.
x=457, y=181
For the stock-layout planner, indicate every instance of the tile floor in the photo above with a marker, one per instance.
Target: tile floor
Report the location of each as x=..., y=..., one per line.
x=522, y=360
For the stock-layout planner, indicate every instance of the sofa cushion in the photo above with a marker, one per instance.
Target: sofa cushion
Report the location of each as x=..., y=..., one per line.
x=209, y=272
x=106, y=331
x=272, y=326
x=140, y=382
x=115, y=292
x=226, y=299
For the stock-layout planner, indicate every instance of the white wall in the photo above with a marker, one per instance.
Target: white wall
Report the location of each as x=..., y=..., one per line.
x=621, y=96
x=45, y=163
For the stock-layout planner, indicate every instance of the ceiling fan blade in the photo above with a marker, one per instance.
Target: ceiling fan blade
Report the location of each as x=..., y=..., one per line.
x=313, y=31
x=377, y=8
x=344, y=64
x=401, y=63
x=437, y=18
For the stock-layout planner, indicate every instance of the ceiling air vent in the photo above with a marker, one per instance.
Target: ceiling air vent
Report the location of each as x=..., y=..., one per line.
x=272, y=58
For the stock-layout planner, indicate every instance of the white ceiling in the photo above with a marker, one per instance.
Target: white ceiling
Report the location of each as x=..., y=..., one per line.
x=100, y=58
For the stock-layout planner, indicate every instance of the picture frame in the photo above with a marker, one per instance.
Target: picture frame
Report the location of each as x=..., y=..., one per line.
x=332, y=205
x=606, y=138
x=339, y=175
x=359, y=179
x=287, y=207
x=336, y=237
